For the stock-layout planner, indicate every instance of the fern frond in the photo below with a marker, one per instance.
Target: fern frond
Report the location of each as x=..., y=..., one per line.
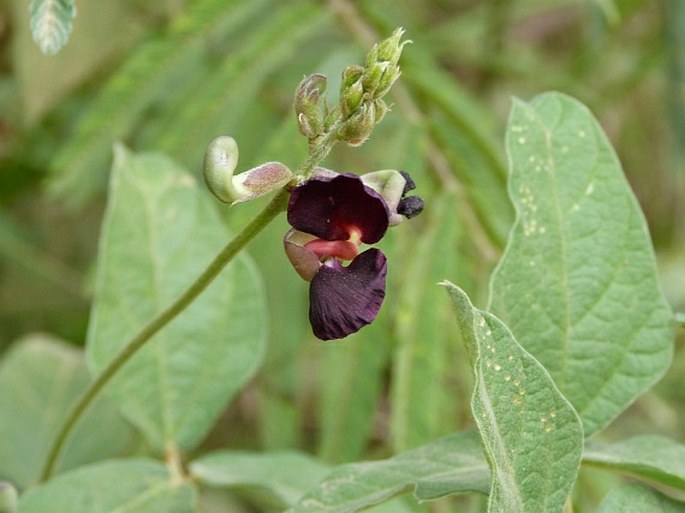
x=51, y=22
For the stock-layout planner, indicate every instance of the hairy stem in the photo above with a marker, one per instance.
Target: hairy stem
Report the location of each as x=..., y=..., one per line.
x=237, y=243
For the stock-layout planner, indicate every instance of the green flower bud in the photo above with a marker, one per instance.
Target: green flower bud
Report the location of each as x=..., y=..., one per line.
x=372, y=77
x=381, y=109
x=350, y=75
x=221, y=159
x=351, y=98
x=359, y=126
x=381, y=65
x=390, y=49
x=8, y=498
x=310, y=105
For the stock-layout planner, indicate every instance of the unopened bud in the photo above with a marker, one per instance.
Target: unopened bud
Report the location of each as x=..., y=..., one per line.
x=310, y=105
x=350, y=75
x=221, y=159
x=359, y=126
x=351, y=98
x=381, y=70
x=381, y=108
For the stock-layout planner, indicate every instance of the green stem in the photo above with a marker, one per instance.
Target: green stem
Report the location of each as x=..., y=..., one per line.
x=268, y=213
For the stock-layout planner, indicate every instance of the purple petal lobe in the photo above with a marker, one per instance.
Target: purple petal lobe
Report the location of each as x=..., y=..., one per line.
x=342, y=300
x=333, y=207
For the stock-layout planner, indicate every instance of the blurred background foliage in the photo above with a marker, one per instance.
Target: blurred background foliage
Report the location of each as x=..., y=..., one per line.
x=170, y=75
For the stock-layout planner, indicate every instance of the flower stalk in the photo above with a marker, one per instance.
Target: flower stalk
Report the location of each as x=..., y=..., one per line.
x=323, y=128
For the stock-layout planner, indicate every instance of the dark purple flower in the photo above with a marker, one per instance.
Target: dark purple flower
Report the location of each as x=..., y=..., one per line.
x=344, y=299
x=338, y=208
x=331, y=215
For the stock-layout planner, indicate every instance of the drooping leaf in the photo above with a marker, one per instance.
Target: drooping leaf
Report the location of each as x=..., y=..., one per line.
x=51, y=22
x=636, y=498
x=577, y=284
x=159, y=232
x=450, y=465
x=650, y=457
x=133, y=486
x=284, y=475
x=532, y=436
x=40, y=377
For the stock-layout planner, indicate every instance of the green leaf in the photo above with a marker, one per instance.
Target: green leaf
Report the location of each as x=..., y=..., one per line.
x=532, y=435
x=131, y=486
x=285, y=475
x=159, y=232
x=577, y=284
x=220, y=102
x=51, y=23
x=40, y=377
x=650, y=457
x=450, y=465
x=158, y=72
x=635, y=498
x=464, y=132
x=421, y=402
x=352, y=375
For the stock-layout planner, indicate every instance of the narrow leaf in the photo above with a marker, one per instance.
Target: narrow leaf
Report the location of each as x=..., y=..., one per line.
x=159, y=71
x=131, y=486
x=577, y=284
x=450, y=465
x=285, y=475
x=51, y=22
x=421, y=402
x=159, y=232
x=352, y=376
x=40, y=377
x=636, y=498
x=532, y=435
x=650, y=457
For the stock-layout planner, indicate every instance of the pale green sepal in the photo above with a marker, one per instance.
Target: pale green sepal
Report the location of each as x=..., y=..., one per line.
x=389, y=183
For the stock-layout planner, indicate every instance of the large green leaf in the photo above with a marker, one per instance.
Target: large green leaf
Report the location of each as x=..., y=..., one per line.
x=532, y=436
x=635, y=498
x=285, y=475
x=450, y=465
x=159, y=232
x=577, y=284
x=40, y=377
x=651, y=457
x=131, y=486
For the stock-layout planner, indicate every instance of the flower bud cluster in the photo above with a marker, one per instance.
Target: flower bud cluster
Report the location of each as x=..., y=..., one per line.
x=363, y=88
x=361, y=106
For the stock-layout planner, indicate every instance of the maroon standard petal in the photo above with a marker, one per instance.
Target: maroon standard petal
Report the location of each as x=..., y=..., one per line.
x=333, y=207
x=342, y=300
